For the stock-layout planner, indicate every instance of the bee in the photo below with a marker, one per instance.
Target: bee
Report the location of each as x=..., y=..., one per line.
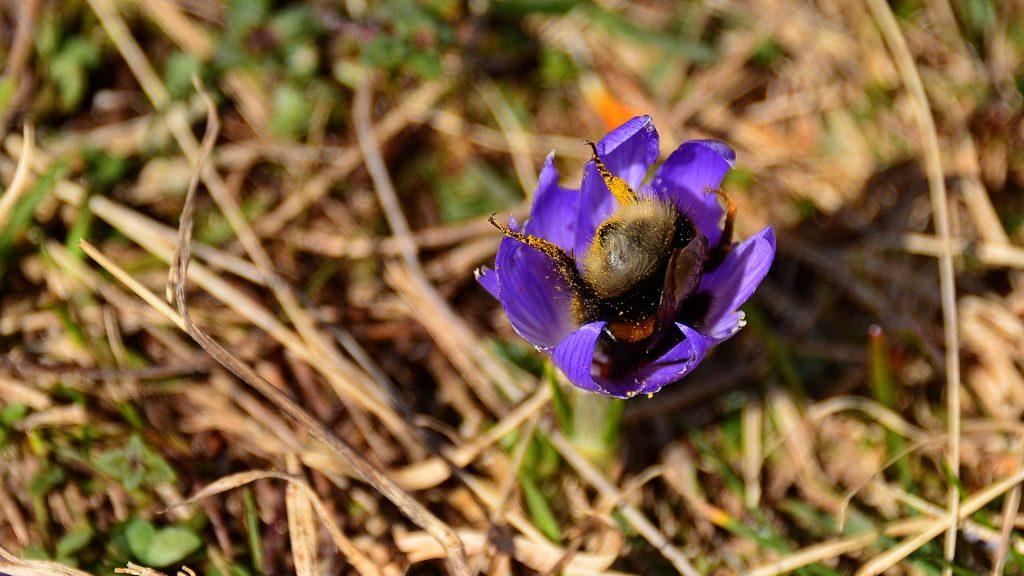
x=644, y=263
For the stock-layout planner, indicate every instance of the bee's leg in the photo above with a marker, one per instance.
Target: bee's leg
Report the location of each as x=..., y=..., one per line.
x=565, y=264
x=724, y=246
x=730, y=218
x=622, y=192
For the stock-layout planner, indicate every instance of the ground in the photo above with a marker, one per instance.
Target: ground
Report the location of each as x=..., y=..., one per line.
x=360, y=404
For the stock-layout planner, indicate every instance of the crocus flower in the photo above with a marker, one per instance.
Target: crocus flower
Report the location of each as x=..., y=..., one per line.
x=561, y=277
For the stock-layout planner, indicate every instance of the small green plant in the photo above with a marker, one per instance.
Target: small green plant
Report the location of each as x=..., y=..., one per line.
x=134, y=466
x=160, y=546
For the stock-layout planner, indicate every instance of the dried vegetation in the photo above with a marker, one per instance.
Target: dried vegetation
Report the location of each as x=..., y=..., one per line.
x=357, y=404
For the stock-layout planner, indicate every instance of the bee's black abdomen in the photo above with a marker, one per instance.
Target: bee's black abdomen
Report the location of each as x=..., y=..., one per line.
x=685, y=232
x=696, y=308
x=640, y=302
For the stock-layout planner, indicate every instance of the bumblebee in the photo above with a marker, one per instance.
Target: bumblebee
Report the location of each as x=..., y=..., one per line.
x=640, y=273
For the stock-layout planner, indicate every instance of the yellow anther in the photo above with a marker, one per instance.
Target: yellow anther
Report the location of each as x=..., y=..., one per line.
x=563, y=262
x=622, y=192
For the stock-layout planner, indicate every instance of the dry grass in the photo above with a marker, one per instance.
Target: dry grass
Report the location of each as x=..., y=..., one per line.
x=358, y=405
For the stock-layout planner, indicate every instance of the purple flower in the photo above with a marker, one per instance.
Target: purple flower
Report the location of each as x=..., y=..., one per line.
x=628, y=285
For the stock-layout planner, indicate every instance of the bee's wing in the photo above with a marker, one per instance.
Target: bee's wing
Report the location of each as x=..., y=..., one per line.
x=681, y=279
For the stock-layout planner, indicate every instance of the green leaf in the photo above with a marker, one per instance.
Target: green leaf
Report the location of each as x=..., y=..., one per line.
x=158, y=471
x=131, y=415
x=296, y=25
x=47, y=479
x=135, y=465
x=519, y=353
x=79, y=230
x=883, y=386
x=539, y=509
x=170, y=545
x=178, y=70
x=291, y=111
x=385, y=52
x=563, y=411
x=980, y=16
x=556, y=67
x=233, y=570
x=21, y=216
x=520, y=8
x=140, y=534
x=671, y=44
x=104, y=170
x=75, y=540
x=69, y=68
x=613, y=416
x=302, y=62
x=35, y=553
x=12, y=413
x=425, y=64
x=160, y=547
x=69, y=322
x=767, y=54
x=252, y=528
x=474, y=191
x=7, y=87
x=120, y=465
x=243, y=16
x=548, y=461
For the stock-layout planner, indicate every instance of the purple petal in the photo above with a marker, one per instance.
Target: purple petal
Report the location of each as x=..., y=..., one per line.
x=734, y=282
x=628, y=152
x=679, y=361
x=533, y=293
x=488, y=279
x=553, y=215
x=574, y=356
x=690, y=177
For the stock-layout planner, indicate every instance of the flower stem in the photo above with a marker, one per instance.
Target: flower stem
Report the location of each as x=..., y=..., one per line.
x=595, y=424
x=590, y=420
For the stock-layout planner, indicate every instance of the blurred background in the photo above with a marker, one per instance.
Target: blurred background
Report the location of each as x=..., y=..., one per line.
x=362, y=146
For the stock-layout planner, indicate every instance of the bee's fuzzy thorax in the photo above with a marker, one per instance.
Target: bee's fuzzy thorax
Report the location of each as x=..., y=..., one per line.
x=629, y=247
